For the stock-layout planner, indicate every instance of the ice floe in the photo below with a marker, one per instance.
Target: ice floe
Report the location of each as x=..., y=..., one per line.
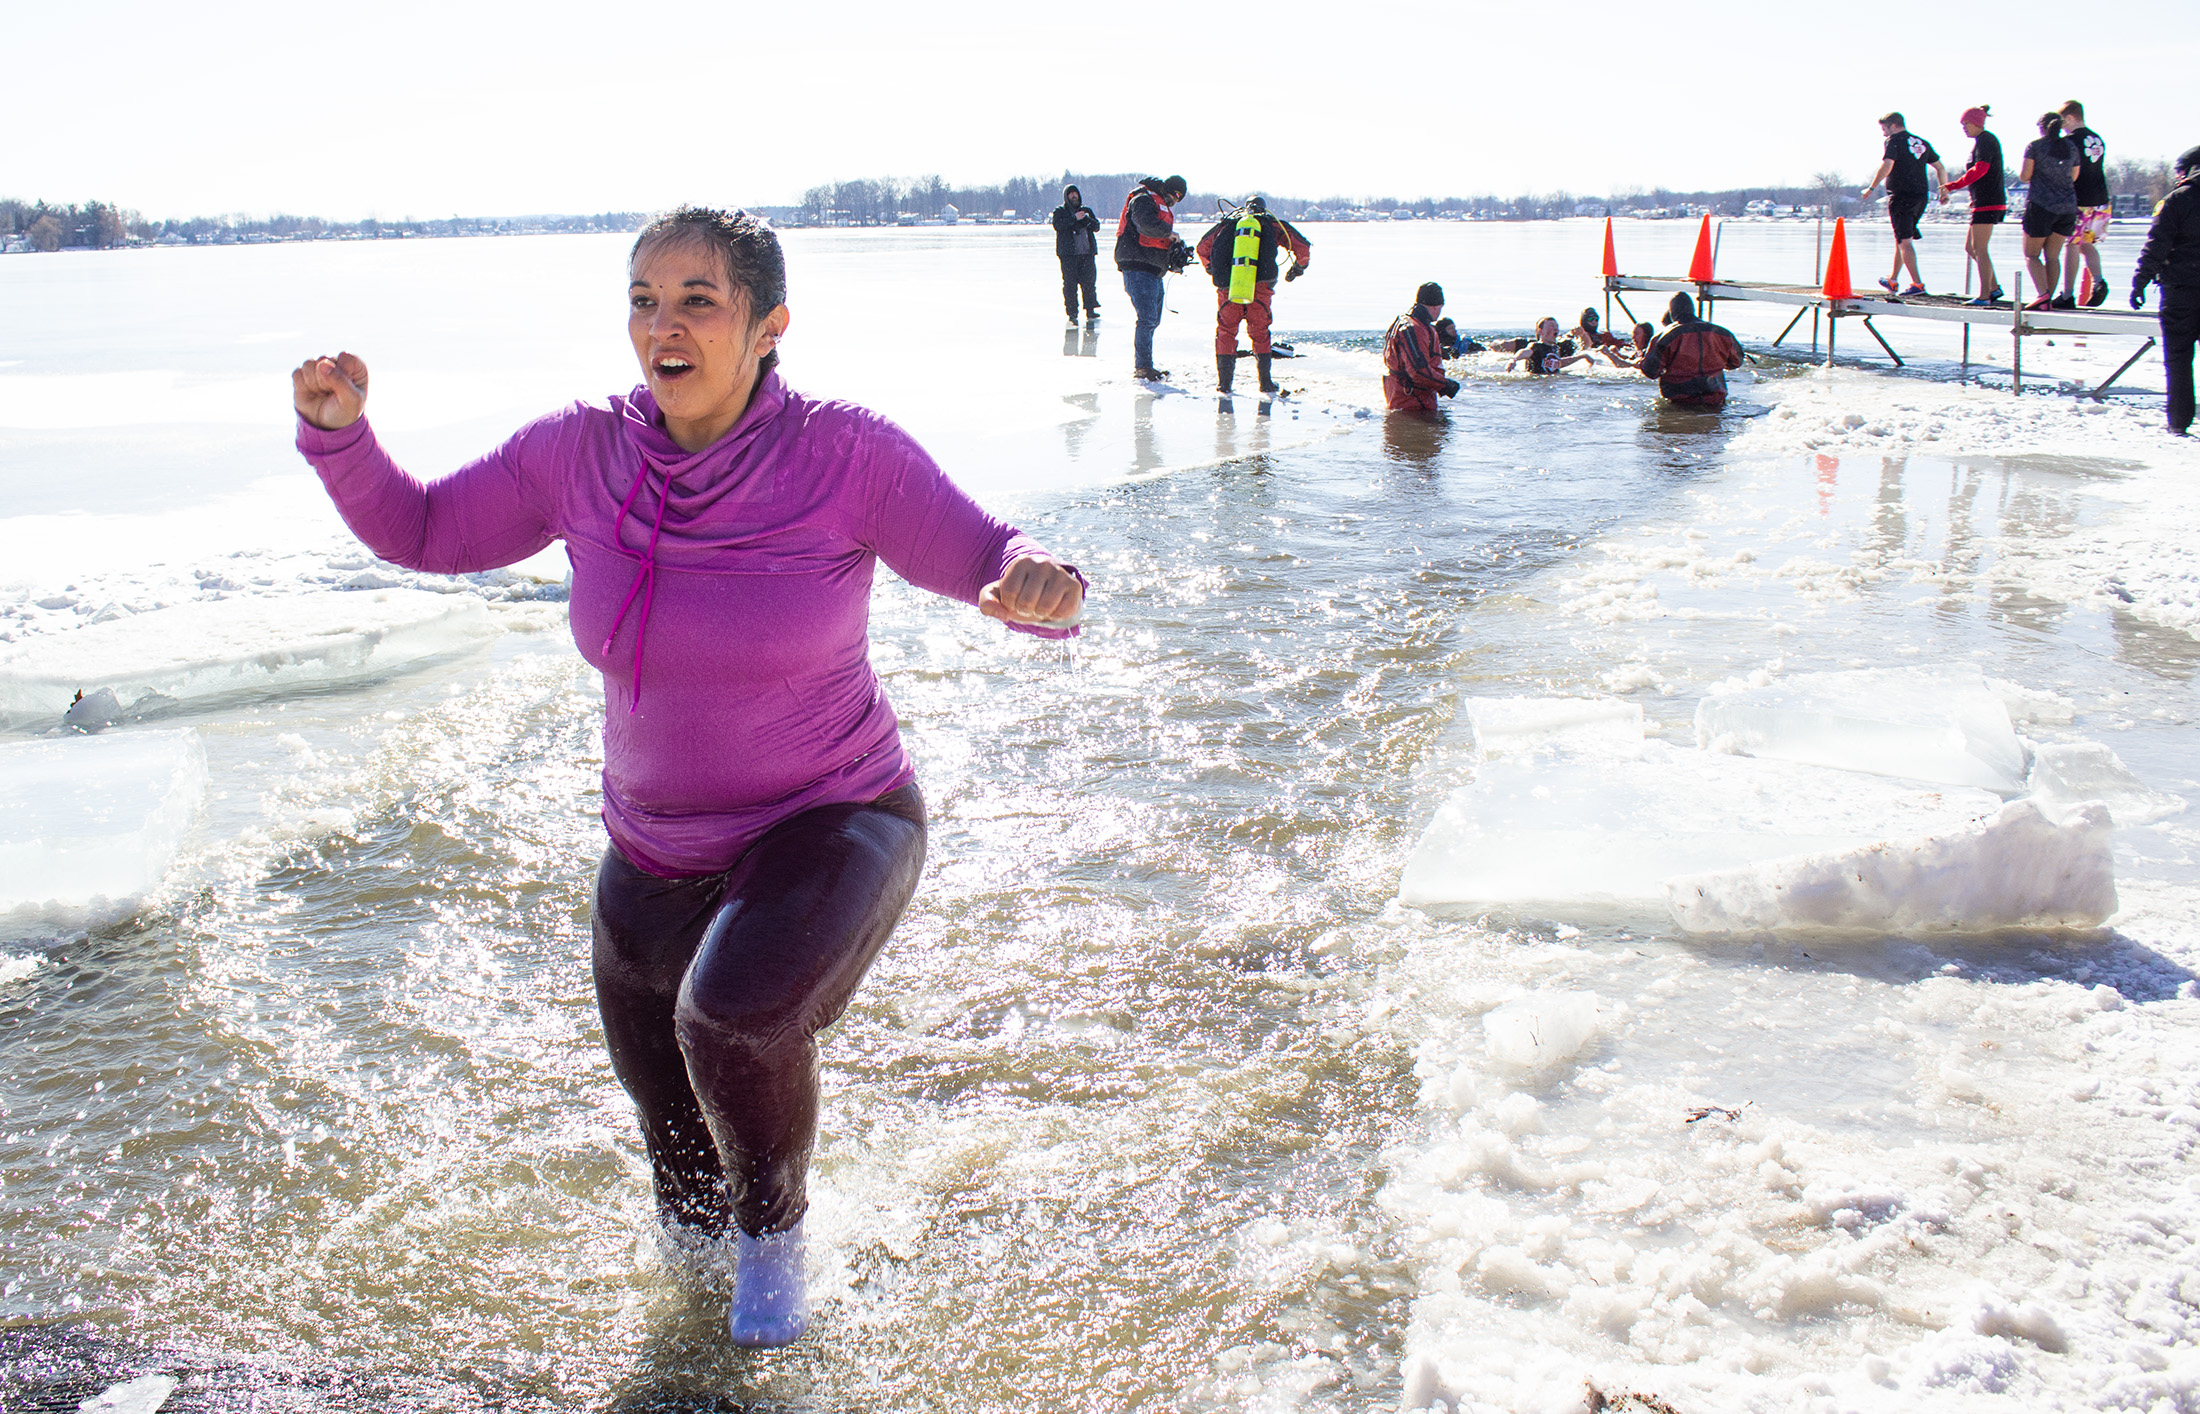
x=1589, y=828
x=1927, y=724
x=1874, y=801
x=90, y=825
x=2018, y=869
x=209, y=651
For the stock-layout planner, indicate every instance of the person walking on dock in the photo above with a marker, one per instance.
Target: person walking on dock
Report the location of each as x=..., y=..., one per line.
x=1413, y=359
x=1240, y=252
x=1902, y=167
x=1985, y=179
x=1077, y=246
x=1691, y=358
x=2050, y=205
x=1147, y=247
x=2171, y=257
x=2084, y=249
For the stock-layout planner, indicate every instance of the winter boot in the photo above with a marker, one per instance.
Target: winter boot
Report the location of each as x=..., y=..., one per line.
x=1225, y=371
x=1267, y=380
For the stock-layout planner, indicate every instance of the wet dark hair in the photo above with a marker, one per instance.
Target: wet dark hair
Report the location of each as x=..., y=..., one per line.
x=746, y=246
x=2050, y=124
x=1588, y=319
x=1646, y=331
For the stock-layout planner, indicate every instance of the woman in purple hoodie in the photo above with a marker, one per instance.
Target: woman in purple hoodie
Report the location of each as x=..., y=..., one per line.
x=766, y=827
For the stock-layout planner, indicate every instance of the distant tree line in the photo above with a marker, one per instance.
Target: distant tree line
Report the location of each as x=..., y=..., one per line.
x=98, y=225
x=884, y=201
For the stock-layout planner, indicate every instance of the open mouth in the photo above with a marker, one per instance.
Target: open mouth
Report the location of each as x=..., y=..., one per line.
x=671, y=367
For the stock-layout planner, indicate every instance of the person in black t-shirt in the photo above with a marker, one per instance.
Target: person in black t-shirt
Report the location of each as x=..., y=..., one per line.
x=1902, y=168
x=2093, y=209
x=1989, y=200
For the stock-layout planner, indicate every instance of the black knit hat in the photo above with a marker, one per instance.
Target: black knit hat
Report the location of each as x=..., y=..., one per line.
x=1682, y=307
x=1430, y=293
x=1175, y=184
x=2189, y=160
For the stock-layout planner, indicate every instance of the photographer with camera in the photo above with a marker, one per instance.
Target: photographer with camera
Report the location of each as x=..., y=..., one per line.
x=1146, y=248
x=1241, y=254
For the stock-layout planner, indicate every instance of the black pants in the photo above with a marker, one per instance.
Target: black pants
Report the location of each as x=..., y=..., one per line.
x=2180, y=326
x=1078, y=273
x=713, y=991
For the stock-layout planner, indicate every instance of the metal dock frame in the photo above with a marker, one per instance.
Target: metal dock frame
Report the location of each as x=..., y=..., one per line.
x=2019, y=321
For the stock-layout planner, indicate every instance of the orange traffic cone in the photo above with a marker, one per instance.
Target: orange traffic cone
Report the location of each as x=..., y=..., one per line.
x=1837, y=264
x=1699, y=269
x=1611, y=257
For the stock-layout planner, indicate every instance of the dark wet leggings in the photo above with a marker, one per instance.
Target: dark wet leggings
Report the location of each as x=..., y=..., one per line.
x=713, y=991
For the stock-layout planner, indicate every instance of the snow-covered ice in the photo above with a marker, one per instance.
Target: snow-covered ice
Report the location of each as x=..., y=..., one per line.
x=2018, y=869
x=89, y=825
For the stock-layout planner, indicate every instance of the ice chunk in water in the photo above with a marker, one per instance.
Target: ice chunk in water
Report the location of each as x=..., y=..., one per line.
x=2017, y=869
x=2066, y=774
x=228, y=647
x=89, y=824
x=143, y=1395
x=1925, y=724
x=1546, y=1029
x=1608, y=830
x=1504, y=725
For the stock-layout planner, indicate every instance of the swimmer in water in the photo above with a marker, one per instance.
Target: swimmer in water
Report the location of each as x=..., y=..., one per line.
x=1547, y=353
x=766, y=830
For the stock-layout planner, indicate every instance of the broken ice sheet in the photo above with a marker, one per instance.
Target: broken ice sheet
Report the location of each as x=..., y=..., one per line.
x=1945, y=724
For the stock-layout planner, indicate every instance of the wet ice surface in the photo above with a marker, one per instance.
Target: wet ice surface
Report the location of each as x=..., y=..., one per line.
x=1161, y=1099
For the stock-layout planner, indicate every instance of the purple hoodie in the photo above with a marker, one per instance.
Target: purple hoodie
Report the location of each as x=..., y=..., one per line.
x=724, y=594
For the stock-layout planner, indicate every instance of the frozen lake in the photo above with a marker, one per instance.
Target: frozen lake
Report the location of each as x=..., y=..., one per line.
x=1186, y=1107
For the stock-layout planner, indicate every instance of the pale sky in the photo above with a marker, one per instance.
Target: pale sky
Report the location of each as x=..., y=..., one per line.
x=417, y=109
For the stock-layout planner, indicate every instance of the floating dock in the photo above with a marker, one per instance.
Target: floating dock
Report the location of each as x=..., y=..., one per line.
x=1813, y=299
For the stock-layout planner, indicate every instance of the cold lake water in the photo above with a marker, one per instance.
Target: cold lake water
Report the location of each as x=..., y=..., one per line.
x=1162, y=1097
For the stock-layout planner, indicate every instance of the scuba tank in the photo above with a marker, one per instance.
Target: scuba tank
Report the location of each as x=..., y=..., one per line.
x=1245, y=259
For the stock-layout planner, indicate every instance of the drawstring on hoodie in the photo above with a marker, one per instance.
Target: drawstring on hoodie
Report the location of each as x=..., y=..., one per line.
x=645, y=576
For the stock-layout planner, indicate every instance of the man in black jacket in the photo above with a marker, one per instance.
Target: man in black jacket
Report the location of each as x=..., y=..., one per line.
x=2172, y=256
x=1146, y=248
x=1077, y=246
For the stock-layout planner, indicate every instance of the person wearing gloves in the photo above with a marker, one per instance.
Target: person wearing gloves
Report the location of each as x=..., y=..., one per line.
x=1413, y=356
x=1240, y=254
x=2171, y=258
x=1147, y=247
x=1077, y=246
x=766, y=829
